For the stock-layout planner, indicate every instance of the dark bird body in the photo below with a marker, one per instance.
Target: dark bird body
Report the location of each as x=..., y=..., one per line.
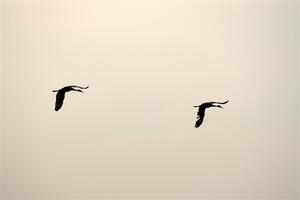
x=201, y=111
x=60, y=96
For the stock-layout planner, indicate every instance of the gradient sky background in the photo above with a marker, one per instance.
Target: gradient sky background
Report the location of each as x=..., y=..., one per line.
x=131, y=134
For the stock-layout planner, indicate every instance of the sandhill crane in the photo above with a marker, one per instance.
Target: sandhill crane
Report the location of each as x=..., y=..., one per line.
x=201, y=111
x=60, y=96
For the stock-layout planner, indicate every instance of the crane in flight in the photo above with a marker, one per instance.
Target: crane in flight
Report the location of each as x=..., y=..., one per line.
x=60, y=96
x=201, y=110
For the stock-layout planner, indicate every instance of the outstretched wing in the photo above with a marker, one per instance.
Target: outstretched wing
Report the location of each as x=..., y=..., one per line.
x=199, y=122
x=60, y=96
x=200, y=115
x=201, y=111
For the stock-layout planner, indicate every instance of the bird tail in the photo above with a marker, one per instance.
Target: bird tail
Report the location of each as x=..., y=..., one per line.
x=220, y=102
x=79, y=87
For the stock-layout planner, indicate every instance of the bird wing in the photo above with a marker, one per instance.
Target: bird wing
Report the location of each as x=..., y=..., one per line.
x=60, y=96
x=201, y=111
x=199, y=122
x=200, y=115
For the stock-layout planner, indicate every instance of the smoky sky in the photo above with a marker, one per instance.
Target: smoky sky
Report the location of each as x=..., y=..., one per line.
x=131, y=134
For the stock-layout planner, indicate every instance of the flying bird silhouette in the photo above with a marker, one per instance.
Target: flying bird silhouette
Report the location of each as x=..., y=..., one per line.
x=201, y=111
x=60, y=96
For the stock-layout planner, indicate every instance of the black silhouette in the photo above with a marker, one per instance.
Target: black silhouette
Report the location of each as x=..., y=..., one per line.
x=60, y=96
x=201, y=111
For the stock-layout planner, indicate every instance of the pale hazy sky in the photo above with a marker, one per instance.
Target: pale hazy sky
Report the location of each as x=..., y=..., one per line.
x=131, y=134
